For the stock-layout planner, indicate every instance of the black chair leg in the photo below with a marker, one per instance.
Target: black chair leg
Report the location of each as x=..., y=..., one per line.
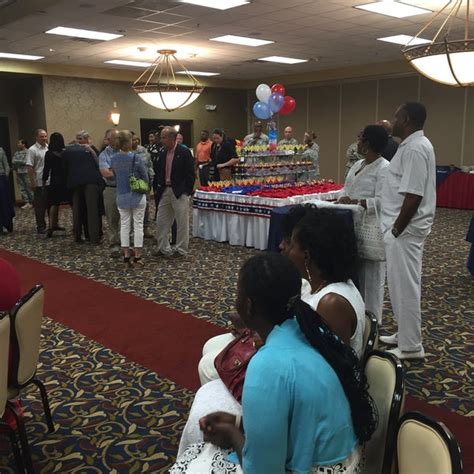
x=16, y=450
x=25, y=446
x=47, y=409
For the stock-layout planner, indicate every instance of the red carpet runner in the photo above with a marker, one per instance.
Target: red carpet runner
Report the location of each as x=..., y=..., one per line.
x=161, y=339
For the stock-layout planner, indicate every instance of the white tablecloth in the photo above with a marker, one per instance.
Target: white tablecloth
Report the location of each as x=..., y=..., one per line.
x=241, y=220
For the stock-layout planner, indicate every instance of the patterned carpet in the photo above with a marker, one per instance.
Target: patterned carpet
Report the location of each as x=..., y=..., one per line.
x=101, y=401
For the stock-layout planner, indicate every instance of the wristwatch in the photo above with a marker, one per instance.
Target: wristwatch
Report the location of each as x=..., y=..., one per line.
x=395, y=232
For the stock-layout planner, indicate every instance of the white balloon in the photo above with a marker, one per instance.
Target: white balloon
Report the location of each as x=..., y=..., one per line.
x=263, y=92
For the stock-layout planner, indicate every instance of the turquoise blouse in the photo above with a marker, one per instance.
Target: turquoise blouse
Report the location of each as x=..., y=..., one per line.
x=295, y=412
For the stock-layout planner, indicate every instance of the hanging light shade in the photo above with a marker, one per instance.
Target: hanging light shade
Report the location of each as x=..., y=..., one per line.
x=158, y=86
x=446, y=58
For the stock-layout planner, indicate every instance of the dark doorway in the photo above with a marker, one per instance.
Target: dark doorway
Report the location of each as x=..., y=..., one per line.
x=5, y=144
x=185, y=128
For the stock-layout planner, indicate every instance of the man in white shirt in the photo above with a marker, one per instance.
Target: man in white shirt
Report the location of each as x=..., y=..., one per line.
x=408, y=206
x=34, y=166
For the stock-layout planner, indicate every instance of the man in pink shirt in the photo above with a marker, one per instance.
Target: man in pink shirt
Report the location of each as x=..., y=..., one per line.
x=174, y=183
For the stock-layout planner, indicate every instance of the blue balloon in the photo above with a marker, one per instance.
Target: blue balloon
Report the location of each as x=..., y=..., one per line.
x=262, y=110
x=275, y=102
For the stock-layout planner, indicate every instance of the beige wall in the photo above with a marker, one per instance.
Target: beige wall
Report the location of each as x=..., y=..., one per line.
x=337, y=111
x=73, y=104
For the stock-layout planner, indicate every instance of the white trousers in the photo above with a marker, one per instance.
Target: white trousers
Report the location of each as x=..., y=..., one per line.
x=126, y=216
x=170, y=209
x=212, y=348
x=404, y=255
x=371, y=282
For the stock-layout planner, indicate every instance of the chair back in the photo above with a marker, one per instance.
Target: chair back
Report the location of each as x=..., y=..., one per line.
x=385, y=377
x=426, y=445
x=4, y=349
x=26, y=319
x=370, y=334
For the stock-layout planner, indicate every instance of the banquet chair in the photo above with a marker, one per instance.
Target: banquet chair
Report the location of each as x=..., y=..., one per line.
x=426, y=445
x=4, y=350
x=26, y=318
x=386, y=381
x=370, y=334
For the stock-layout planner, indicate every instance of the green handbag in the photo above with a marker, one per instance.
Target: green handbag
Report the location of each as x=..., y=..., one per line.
x=137, y=185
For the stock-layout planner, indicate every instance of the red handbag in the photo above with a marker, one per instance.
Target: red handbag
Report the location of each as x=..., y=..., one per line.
x=231, y=364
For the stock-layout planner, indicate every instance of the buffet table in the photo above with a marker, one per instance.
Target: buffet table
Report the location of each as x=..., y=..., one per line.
x=456, y=191
x=239, y=219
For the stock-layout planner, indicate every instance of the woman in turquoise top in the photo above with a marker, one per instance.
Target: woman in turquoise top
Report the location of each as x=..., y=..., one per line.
x=305, y=402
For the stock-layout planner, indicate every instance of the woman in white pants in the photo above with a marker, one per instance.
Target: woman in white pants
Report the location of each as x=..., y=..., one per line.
x=363, y=186
x=131, y=205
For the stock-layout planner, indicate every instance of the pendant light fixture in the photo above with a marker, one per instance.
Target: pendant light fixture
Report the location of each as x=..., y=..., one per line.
x=449, y=57
x=158, y=85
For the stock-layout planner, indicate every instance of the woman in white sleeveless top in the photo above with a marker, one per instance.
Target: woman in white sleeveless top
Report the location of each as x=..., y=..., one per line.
x=324, y=249
x=363, y=186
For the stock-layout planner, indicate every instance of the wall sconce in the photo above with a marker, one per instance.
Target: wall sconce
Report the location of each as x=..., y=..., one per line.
x=177, y=128
x=115, y=115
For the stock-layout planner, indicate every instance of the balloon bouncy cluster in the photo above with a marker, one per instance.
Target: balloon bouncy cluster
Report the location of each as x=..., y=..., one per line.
x=271, y=101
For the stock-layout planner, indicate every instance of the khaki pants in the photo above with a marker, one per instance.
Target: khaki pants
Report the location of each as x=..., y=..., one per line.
x=112, y=215
x=404, y=255
x=169, y=209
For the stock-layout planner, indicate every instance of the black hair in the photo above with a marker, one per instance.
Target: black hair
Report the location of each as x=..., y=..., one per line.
x=152, y=131
x=56, y=142
x=416, y=112
x=220, y=132
x=376, y=136
x=23, y=141
x=273, y=284
x=291, y=219
x=331, y=243
x=205, y=131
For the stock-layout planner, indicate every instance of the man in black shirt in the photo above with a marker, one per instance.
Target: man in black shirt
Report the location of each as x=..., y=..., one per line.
x=392, y=144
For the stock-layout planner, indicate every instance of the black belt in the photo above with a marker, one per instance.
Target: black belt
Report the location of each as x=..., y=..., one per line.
x=110, y=186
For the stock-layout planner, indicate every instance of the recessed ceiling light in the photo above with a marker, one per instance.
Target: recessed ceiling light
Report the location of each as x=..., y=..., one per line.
x=405, y=40
x=393, y=8
x=218, y=4
x=78, y=33
x=282, y=59
x=200, y=73
x=121, y=62
x=232, y=39
x=27, y=57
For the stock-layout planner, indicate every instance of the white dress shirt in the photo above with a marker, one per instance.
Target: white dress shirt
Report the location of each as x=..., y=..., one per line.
x=35, y=158
x=412, y=170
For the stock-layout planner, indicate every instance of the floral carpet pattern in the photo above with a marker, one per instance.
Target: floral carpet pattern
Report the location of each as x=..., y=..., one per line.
x=111, y=415
x=106, y=429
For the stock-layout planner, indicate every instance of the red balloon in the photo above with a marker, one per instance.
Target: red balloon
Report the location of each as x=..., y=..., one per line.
x=288, y=106
x=278, y=89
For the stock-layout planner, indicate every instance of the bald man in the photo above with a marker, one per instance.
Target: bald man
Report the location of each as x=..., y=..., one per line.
x=392, y=144
x=288, y=140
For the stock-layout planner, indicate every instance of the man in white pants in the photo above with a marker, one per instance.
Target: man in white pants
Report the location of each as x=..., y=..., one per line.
x=408, y=206
x=174, y=183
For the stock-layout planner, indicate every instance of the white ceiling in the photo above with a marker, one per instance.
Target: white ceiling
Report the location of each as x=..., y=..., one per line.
x=328, y=32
